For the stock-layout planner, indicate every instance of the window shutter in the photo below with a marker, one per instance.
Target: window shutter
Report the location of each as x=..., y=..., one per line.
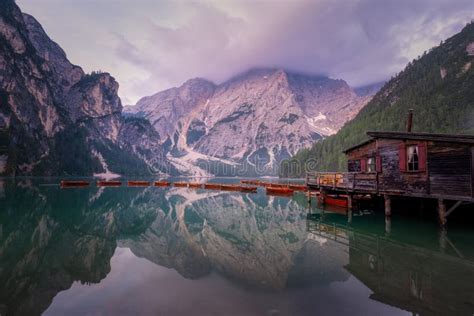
x=363, y=165
x=378, y=163
x=402, y=157
x=422, y=157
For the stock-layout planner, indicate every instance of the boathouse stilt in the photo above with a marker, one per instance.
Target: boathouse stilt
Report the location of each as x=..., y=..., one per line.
x=388, y=205
x=388, y=225
x=442, y=212
x=322, y=197
x=442, y=234
x=350, y=200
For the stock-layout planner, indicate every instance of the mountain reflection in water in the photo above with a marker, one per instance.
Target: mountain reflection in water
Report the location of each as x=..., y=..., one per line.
x=177, y=251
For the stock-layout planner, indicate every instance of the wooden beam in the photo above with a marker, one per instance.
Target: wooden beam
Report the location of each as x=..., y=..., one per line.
x=455, y=206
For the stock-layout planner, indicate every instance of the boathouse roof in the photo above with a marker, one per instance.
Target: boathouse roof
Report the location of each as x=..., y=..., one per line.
x=448, y=138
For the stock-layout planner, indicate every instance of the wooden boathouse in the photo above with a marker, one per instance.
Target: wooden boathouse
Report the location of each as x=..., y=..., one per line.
x=405, y=164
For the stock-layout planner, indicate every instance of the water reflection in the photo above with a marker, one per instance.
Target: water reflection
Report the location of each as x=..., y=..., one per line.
x=179, y=251
x=427, y=275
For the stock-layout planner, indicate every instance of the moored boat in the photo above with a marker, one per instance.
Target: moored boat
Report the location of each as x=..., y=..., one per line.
x=212, y=186
x=230, y=187
x=334, y=200
x=180, y=184
x=195, y=185
x=161, y=184
x=254, y=182
x=250, y=189
x=279, y=191
x=105, y=183
x=138, y=183
x=73, y=184
x=278, y=185
x=297, y=187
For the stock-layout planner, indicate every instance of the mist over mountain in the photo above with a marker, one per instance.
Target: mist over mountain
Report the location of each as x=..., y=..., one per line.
x=438, y=86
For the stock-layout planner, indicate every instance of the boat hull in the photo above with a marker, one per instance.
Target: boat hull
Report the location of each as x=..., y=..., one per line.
x=279, y=191
x=248, y=189
x=339, y=201
x=108, y=183
x=180, y=184
x=138, y=183
x=161, y=184
x=73, y=184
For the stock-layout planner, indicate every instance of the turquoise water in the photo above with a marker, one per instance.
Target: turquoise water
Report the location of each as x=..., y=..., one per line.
x=178, y=251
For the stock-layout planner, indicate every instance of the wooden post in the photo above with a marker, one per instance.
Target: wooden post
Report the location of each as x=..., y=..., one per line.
x=322, y=195
x=388, y=205
x=349, y=216
x=349, y=202
x=388, y=225
x=443, y=238
x=442, y=212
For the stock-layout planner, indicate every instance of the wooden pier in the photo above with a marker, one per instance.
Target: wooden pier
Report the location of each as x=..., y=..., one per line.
x=394, y=165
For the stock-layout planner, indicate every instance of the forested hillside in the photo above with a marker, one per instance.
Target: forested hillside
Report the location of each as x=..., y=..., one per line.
x=438, y=86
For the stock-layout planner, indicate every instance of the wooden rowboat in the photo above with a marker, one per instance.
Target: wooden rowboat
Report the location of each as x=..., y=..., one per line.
x=195, y=185
x=248, y=189
x=212, y=186
x=334, y=200
x=254, y=182
x=104, y=183
x=298, y=187
x=279, y=191
x=181, y=184
x=138, y=183
x=73, y=184
x=161, y=184
x=230, y=187
x=278, y=185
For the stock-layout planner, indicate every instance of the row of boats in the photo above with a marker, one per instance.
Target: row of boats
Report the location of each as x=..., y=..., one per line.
x=249, y=186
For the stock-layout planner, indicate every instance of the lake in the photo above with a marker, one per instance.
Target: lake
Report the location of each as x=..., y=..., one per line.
x=179, y=251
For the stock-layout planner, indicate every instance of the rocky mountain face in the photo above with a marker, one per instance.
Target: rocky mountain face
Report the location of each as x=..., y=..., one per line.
x=250, y=123
x=54, y=118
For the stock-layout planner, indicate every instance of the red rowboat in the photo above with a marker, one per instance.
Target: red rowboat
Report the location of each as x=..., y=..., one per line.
x=181, y=184
x=138, y=183
x=73, y=184
x=195, y=185
x=254, y=182
x=212, y=186
x=230, y=187
x=335, y=200
x=248, y=189
x=103, y=183
x=278, y=185
x=161, y=184
x=279, y=191
x=297, y=187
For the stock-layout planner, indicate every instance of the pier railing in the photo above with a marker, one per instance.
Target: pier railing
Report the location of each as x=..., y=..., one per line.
x=361, y=181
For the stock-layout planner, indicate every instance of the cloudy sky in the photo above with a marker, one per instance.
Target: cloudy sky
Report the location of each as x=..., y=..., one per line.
x=153, y=45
